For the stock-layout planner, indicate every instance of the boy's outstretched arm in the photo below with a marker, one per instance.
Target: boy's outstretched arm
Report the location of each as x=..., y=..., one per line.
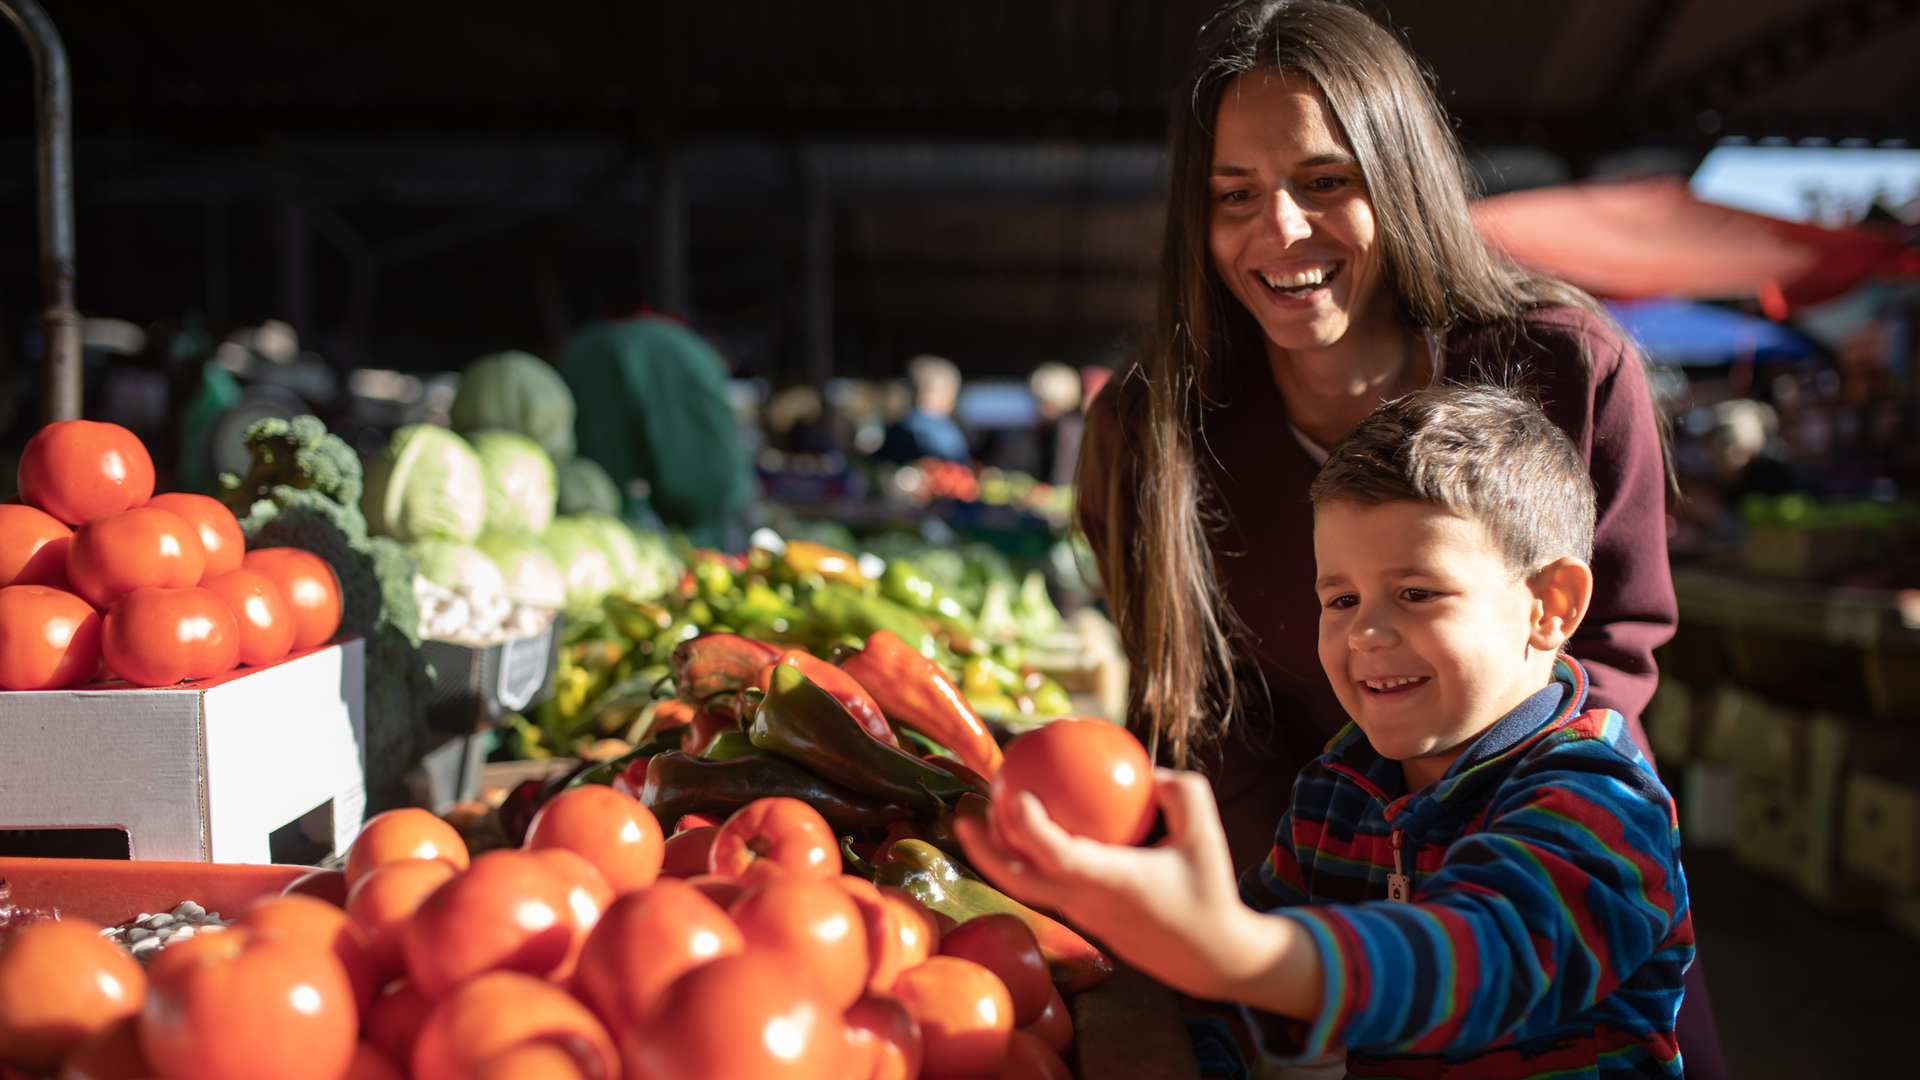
x=1172, y=910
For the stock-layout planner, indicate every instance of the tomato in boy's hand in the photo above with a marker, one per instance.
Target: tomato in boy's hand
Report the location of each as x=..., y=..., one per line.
x=1092, y=776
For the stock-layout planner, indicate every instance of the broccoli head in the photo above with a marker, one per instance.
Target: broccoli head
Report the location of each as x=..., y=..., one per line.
x=298, y=453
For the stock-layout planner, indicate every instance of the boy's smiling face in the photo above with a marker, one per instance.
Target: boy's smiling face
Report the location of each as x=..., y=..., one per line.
x=1428, y=636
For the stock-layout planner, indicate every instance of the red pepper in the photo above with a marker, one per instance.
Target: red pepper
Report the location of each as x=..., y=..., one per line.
x=840, y=685
x=713, y=665
x=914, y=691
x=705, y=726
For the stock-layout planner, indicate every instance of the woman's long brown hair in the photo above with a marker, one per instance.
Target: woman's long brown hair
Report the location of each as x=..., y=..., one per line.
x=1155, y=563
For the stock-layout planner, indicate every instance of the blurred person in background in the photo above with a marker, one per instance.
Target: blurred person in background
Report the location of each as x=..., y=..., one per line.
x=928, y=430
x=1056, y=389
x=653, y=411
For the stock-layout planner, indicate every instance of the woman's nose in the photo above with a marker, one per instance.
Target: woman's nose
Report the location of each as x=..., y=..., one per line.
x=1288, y=220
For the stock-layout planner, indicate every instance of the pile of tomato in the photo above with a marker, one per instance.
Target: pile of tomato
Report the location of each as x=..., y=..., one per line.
x=101, y=578
x=570, y=958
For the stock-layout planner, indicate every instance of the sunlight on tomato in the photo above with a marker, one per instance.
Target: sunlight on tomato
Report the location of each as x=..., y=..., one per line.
x=383, y=902
x=33, y=547
x=157, y=637
x=499, y=1012
x=316, y=924
x=259, y=610
x=773, y=835
x=816, y=924
x=1005, y=946
x=1093, y=777
x=884, y=1037
x=311, y=587
x=614, y=832
x=112, y=556
x=394, y=1022
x=965, y=1016
x=588, y=896
x=407, y=833
x=742, y=1017
x=219, y=531
x=508, y=912
x=48, y=638
x=78, y=470
x=60, y=982
x=228, y=1006
x=644, y=942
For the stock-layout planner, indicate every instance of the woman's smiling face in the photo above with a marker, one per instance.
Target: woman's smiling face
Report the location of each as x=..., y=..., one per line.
x=1291, y=227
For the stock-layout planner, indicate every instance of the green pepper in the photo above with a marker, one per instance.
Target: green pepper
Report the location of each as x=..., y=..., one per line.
x=913, y=590
x=800, y=721
x=1049, y=697
x=639, y=621
x=678, y=784
x=842, y=610
x=729, y=745
x=945, y=885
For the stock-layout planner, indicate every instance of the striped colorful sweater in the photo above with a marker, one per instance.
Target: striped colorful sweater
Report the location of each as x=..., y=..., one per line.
x=1547, y=928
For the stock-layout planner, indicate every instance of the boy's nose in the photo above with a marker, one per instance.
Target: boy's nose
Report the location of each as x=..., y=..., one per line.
x=1371, y=631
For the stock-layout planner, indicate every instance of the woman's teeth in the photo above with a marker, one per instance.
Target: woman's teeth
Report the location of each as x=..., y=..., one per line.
x=1298, y=280
x=1394, y=683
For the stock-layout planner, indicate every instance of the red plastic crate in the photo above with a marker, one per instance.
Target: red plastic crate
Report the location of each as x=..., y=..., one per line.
x=111, y=892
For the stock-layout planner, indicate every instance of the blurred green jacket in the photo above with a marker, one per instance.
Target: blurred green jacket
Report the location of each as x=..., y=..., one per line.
x=652, y=399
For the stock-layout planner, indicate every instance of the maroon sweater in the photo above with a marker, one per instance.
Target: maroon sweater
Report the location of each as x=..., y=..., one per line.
x=1263, y=551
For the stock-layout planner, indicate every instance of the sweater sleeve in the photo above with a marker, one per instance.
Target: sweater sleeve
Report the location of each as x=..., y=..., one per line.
x=1633, y=608
x=1572, y=886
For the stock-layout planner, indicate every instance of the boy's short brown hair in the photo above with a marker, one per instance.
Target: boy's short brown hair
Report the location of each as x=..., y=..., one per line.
x=1480, y=451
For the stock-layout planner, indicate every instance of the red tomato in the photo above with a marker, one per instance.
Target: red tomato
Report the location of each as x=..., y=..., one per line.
x=1030, y=1059
x=817, y=924
x=501, y=1011
x=1055, y=1024
x=1091, y=775
x=48, y=638
x=112, y=1053
x=228, y=1006
x=371, y=1064
x=1003, y=945
x=742, y=1017
x=383, y=902
x=532, y=1061
x=645, y=941
x=394, y=1022
x=688, y=852
x=33, y=547
x=219, y=530
x=721, y=890
x=146, y=548
x=883, y=1033
x=78, y=470
x=965, y=1016
x=842, y=686
x=60, y=981
x=776, y=834
x=408, y=833
x=261, y=612
x=507, y=912
x=907, y=904
x=897, y=936
x=588, y=895
x=328, y=885
x=156, y=637
x=311, y=587
x=614, y=832
x=306, y=920
x=701, y=730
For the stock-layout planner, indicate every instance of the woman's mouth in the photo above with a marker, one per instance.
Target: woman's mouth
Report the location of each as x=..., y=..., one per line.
x=1298, y=284
x=1394, y=684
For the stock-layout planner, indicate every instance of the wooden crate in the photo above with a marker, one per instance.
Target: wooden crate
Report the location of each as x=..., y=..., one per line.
x=259, y=765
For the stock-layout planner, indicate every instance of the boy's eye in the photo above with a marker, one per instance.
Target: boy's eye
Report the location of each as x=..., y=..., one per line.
x=1418, y=596
x=1344, y=600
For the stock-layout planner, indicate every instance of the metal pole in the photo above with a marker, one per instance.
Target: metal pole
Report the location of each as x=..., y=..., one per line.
x=53, y=130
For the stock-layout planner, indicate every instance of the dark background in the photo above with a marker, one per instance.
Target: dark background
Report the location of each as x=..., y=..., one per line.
x=827, y=187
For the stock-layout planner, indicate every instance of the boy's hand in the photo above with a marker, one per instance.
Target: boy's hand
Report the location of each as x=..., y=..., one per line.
x=1172, y=910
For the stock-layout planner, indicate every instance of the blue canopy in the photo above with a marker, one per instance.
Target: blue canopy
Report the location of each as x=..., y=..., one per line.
x=1681, y=333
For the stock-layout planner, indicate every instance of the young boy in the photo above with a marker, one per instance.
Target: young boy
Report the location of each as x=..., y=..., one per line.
x=1477, y=878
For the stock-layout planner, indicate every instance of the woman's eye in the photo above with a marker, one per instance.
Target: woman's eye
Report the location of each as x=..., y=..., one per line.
x=1327, y=183
x=1233, y=197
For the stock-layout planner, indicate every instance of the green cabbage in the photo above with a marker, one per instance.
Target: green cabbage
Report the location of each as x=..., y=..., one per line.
x=518, y=392
x=454, y=565
x=427, y=482
x=579, y=549
x=585, y=486
x=522, y=486
x=529, y=571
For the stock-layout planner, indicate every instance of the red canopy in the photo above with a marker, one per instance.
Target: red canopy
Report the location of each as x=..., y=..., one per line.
x=1651, y=237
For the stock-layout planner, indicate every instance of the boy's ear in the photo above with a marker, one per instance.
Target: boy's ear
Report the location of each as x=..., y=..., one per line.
x=1562, y=589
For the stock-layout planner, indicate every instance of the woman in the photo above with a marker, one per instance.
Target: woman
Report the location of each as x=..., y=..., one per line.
x=1319, y=259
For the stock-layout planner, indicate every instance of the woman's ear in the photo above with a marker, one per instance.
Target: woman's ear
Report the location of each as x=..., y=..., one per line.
x=1562, y=589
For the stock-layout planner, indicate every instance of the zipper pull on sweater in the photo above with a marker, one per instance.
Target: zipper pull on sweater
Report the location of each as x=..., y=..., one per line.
x=1399, y=886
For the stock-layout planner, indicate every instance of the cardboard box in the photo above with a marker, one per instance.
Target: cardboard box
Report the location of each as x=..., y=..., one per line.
x=1880, y=832
x=258, y=765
